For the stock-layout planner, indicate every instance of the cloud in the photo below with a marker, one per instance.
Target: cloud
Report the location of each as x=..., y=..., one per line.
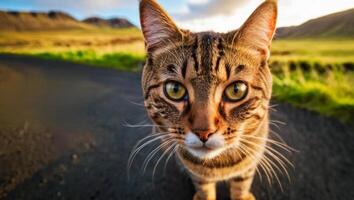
x=210, y=8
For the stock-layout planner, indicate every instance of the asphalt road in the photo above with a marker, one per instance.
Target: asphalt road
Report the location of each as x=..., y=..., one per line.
x=72, y=121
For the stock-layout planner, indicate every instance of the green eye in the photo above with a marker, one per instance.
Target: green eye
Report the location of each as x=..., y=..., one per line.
x=236, y=91
x=175, y=91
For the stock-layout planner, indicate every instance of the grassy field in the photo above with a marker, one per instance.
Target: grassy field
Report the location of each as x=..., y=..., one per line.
x=121, y=49
x=315, y=74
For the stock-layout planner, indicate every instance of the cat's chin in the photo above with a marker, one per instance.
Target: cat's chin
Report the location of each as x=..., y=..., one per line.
x=204, y=152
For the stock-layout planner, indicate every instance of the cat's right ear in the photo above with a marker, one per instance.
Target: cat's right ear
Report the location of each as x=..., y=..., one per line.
x=157, y=26
x=258, y=31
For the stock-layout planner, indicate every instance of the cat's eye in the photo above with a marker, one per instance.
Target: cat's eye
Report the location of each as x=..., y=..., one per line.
x=175, y=91
x=236, y=91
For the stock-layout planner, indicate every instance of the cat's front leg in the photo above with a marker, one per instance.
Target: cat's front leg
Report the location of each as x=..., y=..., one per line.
x=204, y=190
x=240, y=187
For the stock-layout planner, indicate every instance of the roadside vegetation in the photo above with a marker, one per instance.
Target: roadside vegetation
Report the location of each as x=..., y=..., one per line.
x=121, y=49
x=315, y=74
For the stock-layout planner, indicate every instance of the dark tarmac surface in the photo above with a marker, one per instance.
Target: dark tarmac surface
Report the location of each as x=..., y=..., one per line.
x=73, y=143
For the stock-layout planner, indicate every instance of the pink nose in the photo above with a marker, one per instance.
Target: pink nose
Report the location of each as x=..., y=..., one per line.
x=203, y=134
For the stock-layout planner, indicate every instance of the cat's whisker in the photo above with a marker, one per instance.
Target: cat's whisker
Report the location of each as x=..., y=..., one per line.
x=279, y=122
x=259, y=174
x=137, y=149
x=161, y=157
x=278, y=153
x=276, y=158
x=274, y=124
x=281, y=155
x=239, y=153
x=136, y=103
x=142, y=125
x=270, y=166
x=280, y=162
x=246, y=152
x=149, y=136
x=277, y=135
x=283, y=146
x=274, y=105
x=169, y=157
x=265, y=169
x=154, y=152
x=141, y=122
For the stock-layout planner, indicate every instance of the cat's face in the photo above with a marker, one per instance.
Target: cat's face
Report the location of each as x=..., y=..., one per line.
x=207, y=90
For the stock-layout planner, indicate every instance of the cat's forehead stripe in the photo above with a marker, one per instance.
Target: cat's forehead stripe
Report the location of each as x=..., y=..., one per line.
x=221, y=54
x=194, y=54
x=206, y=48
x=184, y=68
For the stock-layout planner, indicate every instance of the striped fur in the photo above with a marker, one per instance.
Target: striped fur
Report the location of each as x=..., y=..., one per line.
x=205, y=64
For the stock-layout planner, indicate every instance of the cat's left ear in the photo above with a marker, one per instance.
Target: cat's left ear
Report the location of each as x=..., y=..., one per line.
x=258, y=31
x=157, y=26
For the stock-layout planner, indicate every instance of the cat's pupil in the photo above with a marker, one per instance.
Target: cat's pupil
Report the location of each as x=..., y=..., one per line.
x=175, y=88
x=235, y=89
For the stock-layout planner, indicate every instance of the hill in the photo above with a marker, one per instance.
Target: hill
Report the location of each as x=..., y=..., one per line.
x=339, y=24
x=27, y=21
x=55, y=20
x=112, y=23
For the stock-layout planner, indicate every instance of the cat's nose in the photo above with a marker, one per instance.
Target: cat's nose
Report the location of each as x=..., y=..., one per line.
x=204, y=135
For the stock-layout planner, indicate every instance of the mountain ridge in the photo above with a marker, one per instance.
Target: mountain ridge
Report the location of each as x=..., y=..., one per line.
x=339, y=24
x=53, y=20
x=112, y=22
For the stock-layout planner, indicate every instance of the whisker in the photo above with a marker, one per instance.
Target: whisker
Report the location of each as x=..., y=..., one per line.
x=284, y=146
x=154, y=152
x=169, y=157
x=269, y=165
x=138, y=148
x=261, y=164
x=161, y=157
x=150, y=136
x=257, y=170
x=278, y=153
x=136, y=103
x=279, y=122
x=275, y=125
x=277, y=135
x=281, y=163
x=141, y=125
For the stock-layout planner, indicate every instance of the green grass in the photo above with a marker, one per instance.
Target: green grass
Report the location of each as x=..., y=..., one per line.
x=122, y=61
x=315, y=74
x=330, y=51
x=121, y=49
x=329, y=92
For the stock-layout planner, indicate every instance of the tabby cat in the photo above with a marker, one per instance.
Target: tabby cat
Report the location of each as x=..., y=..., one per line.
x=208, y=94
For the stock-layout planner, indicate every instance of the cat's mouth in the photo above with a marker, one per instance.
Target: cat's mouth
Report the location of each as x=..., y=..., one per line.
x=204, y=150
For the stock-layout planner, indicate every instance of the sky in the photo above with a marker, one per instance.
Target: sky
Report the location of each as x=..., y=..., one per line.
x=196, y=15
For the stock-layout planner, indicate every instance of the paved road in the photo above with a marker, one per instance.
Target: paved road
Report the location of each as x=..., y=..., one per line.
x=82, y=112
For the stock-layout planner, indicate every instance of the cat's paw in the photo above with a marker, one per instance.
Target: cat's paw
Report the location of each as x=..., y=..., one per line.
x=247, y=197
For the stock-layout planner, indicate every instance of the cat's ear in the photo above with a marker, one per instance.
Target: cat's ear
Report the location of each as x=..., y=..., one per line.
x=258, y=31
x=157, y=26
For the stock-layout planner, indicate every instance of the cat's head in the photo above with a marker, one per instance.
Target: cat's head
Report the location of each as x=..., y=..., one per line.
x=207, y=90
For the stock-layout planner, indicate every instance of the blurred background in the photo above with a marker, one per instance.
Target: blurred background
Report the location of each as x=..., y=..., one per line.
x=71, y=108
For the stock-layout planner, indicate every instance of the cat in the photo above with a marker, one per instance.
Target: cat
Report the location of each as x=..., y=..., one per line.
x=208, y=94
